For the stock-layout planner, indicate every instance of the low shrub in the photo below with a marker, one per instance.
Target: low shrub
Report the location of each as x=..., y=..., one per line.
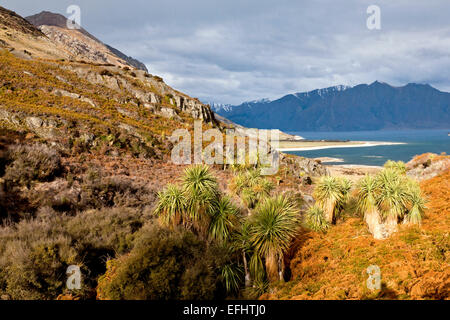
x=32, y=162
x=163, y=265
x=35, y=254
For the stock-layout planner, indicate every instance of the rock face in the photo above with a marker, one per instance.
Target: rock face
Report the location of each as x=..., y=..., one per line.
x=307, y=166
x=58, y=42
x=162, y=100
x=80, y=43
x=427, y=166
x=303, y=168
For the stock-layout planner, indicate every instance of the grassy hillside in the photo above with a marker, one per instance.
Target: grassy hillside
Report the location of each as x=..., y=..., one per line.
x=414, y=262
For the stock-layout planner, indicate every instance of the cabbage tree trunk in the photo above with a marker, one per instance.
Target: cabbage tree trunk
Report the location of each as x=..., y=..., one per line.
x=272, y=267
x=328, y=208
x=374, y=224
x=390, y=225
x=247, y=272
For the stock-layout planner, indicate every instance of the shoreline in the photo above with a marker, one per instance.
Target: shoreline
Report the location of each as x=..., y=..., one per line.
x=330, y=146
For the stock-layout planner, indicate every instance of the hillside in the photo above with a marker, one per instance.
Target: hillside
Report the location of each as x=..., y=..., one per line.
x=376, y=106
x=80, y=42
x=414, y=263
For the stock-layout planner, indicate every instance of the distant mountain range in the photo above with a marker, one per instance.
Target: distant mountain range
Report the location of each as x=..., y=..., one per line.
x=376, y=106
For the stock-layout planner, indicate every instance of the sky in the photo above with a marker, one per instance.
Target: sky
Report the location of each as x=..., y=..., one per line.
x=230, y=51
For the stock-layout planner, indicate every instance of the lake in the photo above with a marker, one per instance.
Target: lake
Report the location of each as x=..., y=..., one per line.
x=417, y=142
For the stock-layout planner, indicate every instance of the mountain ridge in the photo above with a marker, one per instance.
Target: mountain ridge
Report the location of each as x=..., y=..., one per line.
x=374, y=106
x=54, y=26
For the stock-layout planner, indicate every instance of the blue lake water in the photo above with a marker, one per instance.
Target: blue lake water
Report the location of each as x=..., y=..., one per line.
x=417, y=142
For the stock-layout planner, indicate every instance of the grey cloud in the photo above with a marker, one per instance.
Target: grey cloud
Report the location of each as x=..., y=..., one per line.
x=234, y=50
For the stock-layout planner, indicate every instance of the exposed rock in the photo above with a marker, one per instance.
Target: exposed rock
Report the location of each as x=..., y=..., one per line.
x=34, y=122
x=303, y=167
x=9, y=117
x=127, y=113
x=150, y=99
x=169, y=113
x=427, y=166
x=72, y=95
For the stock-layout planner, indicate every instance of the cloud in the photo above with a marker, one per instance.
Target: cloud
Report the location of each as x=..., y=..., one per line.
x=232, y=51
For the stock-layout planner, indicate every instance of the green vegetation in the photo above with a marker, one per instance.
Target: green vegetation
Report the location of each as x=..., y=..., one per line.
x=331, y=194
x=258, y=242
x=389, y=198
x=164, y=265
x=251, y=187
x=398, y=166
x=274, y=225
x=315, y=219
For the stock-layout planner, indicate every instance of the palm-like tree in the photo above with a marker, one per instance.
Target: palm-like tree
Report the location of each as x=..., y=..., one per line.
x=201, y=191
x=315, y=219
x=171, y=206
x=367, y=194
x=251, y=187
x=274, y=226
x=392, y=198
x=263, y=187
x=224, y=219
x=249, y=197
x=387, y=198
x=417, y=204
x=329, y=194
x=239, y=182
x=241, y=242
x=398, y=166
x=346, y=187
x=231, y=275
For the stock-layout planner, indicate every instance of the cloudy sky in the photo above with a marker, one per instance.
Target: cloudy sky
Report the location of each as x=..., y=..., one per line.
x=230, y=51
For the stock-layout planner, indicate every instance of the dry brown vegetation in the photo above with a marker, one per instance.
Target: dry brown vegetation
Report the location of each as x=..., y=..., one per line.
x=79, y=176
x=414, y=262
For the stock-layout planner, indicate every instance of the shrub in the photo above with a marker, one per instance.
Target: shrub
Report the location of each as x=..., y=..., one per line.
x=99, y=191
x=163, y=265
x=32, y=162
x=35, y=254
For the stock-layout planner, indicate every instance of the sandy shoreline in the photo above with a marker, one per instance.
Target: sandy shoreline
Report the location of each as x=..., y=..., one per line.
x=356, y=144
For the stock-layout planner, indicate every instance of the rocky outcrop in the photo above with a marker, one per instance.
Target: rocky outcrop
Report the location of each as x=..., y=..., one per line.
x=64, y=93
x=427, y=166
x=153, y=98
x=302, y=168
x=168, y=113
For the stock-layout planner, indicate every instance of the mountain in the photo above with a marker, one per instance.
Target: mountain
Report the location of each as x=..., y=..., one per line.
x=96, y=78
x=26, y=41
x=79, y=42
x=376, y=106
